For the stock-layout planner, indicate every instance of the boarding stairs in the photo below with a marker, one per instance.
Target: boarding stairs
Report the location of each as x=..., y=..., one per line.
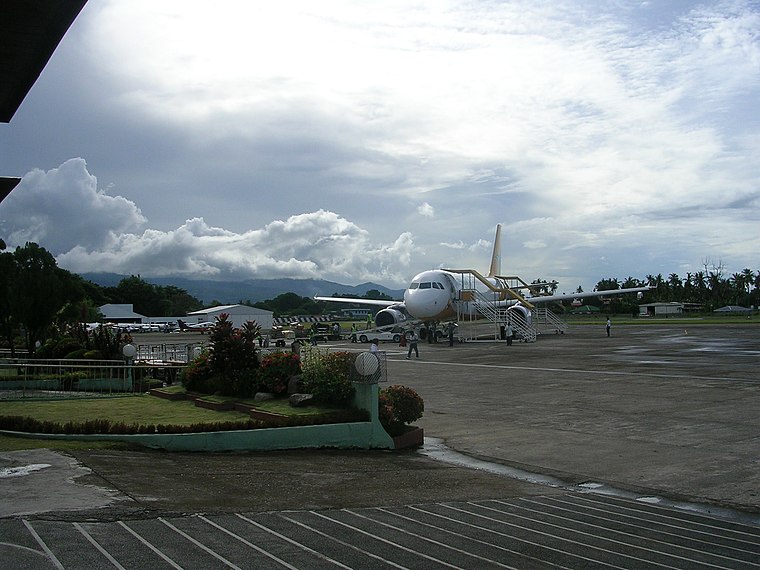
x=474, y=304
x=545, y=322
x=501, y=317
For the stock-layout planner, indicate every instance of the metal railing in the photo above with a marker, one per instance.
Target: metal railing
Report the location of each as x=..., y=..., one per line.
x=168, y=353
x=546, y=321
x=33, y=378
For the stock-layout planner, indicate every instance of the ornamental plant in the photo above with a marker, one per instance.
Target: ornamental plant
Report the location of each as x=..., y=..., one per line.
x=196, y=376
x=399, y=406
x=275, y=371
x=326, y=377
x=233, y=357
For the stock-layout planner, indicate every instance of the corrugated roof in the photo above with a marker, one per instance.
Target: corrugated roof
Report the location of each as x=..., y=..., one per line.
x=226, y=308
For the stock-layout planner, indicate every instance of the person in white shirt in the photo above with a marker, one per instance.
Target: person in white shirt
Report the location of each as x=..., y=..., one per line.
x=411, y=338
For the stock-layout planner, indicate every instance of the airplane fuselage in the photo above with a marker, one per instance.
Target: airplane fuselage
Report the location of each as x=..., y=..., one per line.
x=430, y=296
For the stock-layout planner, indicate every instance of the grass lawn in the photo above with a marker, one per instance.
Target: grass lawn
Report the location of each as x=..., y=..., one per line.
x=139, y=409
x=695, y=320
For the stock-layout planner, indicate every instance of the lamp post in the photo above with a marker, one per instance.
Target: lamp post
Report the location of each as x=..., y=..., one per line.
x=129, y=351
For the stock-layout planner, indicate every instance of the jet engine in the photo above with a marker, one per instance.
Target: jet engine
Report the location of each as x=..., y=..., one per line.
x=521, y=313
x=393, y=315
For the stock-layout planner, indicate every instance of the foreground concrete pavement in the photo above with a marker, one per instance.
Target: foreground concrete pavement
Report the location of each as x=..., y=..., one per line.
x=654, y=409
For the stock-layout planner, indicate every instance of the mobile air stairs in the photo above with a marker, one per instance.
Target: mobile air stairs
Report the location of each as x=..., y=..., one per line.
x=486, y=300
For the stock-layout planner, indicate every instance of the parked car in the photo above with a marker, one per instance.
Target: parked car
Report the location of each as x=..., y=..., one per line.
x=391, y=335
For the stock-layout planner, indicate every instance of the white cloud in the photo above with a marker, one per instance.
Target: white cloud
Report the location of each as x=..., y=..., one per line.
x=63, y=208
x=426, y=210
x=286, y=248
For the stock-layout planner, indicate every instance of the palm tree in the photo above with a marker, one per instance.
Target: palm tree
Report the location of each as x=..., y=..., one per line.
x=749, y=278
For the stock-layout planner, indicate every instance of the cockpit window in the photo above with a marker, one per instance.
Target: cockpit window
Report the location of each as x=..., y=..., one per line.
x=427, y=285
x=414, y=285
x=438, y=285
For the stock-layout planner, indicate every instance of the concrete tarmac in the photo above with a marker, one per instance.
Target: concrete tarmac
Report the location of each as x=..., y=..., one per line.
x=655, y=409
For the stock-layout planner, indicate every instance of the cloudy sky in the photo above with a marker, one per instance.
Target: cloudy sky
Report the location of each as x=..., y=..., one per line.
x=358, y=141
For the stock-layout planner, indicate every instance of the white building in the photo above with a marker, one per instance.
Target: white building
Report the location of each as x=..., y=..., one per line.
x=120, y=313
x=661, y=309
x=238, y=314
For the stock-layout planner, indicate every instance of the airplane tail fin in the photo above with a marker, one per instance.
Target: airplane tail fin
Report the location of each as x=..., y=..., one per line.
x=495, y=268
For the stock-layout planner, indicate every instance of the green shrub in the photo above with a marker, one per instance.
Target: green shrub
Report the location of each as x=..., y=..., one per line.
x=327, y=379
x=196, y=376
x=275, y=371
x=77, y=354
x=398, y=406
x=62, y=348
x=103, y=426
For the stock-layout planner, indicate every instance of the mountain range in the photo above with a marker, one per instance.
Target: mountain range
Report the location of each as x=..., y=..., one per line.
x=254, y=290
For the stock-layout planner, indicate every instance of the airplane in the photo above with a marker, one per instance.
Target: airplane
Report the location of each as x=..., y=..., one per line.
x=197, y=327
x=433, y=295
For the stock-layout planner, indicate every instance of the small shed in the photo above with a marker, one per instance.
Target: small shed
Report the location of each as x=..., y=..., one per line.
x=238, y=314
x=671, y=309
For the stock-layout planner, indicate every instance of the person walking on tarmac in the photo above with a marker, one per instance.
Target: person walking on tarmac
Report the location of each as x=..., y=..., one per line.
x=353, y=332
x=509, y=333
x=609, y=325
x=411, y=338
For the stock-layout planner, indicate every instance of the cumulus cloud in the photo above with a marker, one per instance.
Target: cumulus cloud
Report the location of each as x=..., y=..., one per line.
x=313, y=245
x=88, y=232
x=64, y=208
x=426, y=210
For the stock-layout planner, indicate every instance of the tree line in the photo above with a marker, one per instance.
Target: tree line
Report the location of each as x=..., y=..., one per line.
x=710, y=288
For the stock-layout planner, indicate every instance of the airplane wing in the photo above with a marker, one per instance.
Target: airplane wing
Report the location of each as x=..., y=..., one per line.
x=564, y=297
x=354, y=300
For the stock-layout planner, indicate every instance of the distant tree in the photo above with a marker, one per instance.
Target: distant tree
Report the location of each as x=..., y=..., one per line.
x=7, y=270
x=154, y=300
x=290, y=304
x=179, y=301
x=144, y=297
x=540, y=287
x=39, y=290
x=607, y=285
x=375, y=294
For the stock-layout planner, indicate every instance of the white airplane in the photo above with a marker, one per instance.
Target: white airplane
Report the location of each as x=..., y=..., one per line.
x=433, y=295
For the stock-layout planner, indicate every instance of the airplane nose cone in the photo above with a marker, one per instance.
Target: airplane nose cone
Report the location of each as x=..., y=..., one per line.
x=426, y=303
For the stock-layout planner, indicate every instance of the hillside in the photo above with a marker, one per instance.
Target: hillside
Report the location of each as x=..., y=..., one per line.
x=228, y=292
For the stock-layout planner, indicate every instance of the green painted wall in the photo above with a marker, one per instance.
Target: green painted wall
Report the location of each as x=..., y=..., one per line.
x=361, y=435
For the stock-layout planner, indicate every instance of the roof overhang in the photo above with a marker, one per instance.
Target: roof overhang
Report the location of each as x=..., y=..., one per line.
x=30, y=31
x=6, y=185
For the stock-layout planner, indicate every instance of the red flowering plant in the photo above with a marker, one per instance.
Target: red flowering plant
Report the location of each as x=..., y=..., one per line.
x=196, y=375
x=276, y=369
x=399, y=406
